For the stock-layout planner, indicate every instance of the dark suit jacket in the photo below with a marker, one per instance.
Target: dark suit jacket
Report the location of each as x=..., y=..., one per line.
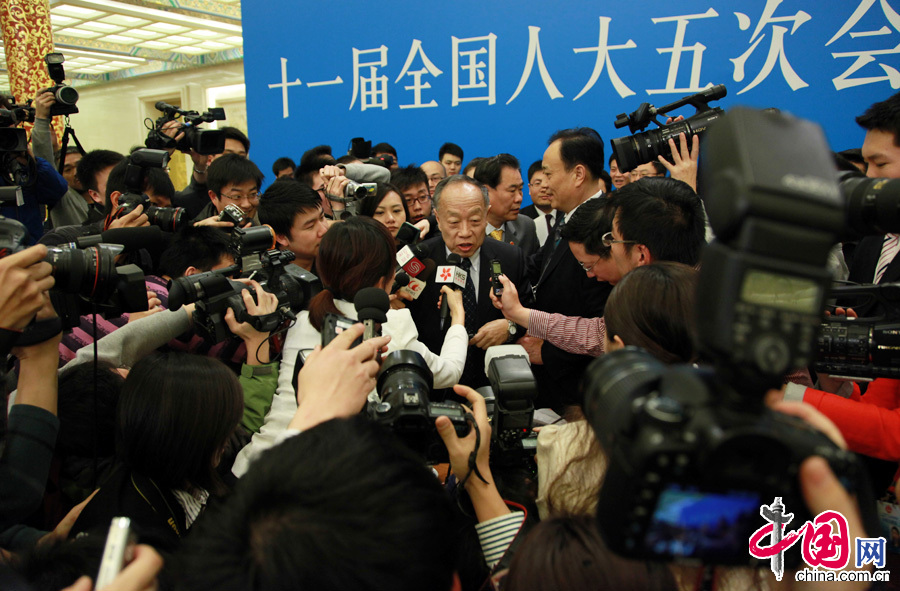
x=427, y=317
x=862, y=270
x=531, y=211
x=521, y=232
x=563, y=288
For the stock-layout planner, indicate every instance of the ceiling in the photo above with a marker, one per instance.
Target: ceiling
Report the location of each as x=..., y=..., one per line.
x=105, y=40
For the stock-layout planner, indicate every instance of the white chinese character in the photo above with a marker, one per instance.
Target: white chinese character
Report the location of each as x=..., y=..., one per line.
x=418, y=85
x=603, y=59
x=374, y=88
x=284, y=84
x=474, y=69
x=534, y=52
x=866, y=57
x=678, y=48
x=776, y=46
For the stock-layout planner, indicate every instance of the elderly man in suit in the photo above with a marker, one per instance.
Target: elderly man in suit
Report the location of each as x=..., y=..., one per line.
x=461, y=207
x=503, y=179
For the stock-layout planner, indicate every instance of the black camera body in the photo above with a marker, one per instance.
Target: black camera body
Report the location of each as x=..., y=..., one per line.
x=688, y=474
x=65, y=95
x=14, y=139
x=694, y=454
x=170, y=219
x=510, y=405
x=405, y=406
x=202, y=141
x=641, y=148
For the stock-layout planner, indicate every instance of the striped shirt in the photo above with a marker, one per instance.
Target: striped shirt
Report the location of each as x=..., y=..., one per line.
x=496, y=535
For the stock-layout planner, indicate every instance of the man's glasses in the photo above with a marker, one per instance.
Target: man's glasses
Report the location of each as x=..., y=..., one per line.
x=421, y=200
x=608, y=241
x=251, y=197
x=588, y=268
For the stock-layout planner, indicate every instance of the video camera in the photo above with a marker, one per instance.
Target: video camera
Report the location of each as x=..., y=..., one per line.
x=65, y=95
x=641, y=148
x=14, y=139
x=85, y=278
x=694, y=454
x=202, y=141
x=170, y=219
x=257, y=258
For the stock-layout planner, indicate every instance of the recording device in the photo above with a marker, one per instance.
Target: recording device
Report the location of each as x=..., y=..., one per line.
x=118, y=551
x=455, y=277
x=404, y=406
x=410, y=259
x=360, y=148
x=358, y=191
x=256, y=258
x=372, y=304
x=417, y=284
x=496, y=272
x=85, y=278
x=693, y=454
x=12, y=195
x=641, y=148
x=14, y=141
x=232, y=213
x=202, y=141
x=65, y=95
x=872, y=205
x=510, y=403
x=385, y=160
x=401, y=279
x=170, y=219
x=407, y=234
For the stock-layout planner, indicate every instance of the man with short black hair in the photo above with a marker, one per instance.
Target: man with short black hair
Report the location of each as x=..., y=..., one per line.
x=649, y=169
x=294, y=212
x=194, y=197
x=92, y=171
x=385, y=149
x=451, y=156
x=502, y=177
x=232, y=180
x=283, y=167
x=413, y=184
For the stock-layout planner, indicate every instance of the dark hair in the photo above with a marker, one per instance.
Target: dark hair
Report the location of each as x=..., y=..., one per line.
x=175, y=414
x=652, y=307
x=232, y=169
x=370, y=203
x=452, y=149
x=346, y=159
x=311, y=161
x=282, y=164
x=658, y=167
x=155, y=180
x=87, y=416
x=344, y=505
x=57, y=564
x=883, y=116
x=536, y=166
x=384, y=147
x=159, y=183
x=282, y=201
x=473, y=165
x=607, y=180
x=580, y=145
x=233, y=133
x=194, y=246
x=588, y=224
x=353, y=255
x=663, y=214
x=490, y=170
x=566, y=553
x=409, y=176
x=92, y=163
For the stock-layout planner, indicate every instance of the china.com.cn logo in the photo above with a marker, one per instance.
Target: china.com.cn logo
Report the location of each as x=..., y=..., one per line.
x=824, y=542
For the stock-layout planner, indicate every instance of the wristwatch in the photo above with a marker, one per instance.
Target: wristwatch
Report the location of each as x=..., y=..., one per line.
x=512, y=331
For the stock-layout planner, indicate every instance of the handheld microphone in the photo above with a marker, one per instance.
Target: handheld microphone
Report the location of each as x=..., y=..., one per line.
x=417, y=284
x=453, y=276
x=410, y=260
x=401, y=279
x=371, y=305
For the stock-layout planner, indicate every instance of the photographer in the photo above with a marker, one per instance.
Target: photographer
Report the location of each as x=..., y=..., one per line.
x=39, y=182
x=194, y=197
x=231, y=180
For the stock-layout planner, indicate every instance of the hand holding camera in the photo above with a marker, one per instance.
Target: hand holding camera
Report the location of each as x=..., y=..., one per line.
x=23, y=280
x=257, y=342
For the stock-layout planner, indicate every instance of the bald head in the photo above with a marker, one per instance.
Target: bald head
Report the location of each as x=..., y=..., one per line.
x=435, y=172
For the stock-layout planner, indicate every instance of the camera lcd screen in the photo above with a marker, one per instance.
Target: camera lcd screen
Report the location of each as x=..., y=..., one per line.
x=693, y=524
x=785, y=292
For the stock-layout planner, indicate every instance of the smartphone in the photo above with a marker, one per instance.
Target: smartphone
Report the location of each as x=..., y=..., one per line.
x=407, y=234
x=496, y=271
x=118, y=551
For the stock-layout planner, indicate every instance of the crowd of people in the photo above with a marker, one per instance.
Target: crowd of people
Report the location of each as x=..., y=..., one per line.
x=250, y=463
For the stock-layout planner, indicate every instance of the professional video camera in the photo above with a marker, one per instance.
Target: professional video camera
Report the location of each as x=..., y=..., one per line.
x=202, y=141
x=362, y=149
x=694, y=454
x=255, y=258
x=170, y=219
x=86, y=279
x=404, y=405
x=65, y=95
x=14, y=139
x=641, y=148
x=510, y=404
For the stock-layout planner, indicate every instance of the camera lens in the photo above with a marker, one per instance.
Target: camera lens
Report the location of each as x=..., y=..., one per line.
x=66, y=95
x=873, y=205
x=403, y=372
x=90, y=273
x=170, y=219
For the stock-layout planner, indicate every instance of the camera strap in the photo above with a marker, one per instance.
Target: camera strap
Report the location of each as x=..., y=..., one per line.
x=473, y=467
x=68, y=131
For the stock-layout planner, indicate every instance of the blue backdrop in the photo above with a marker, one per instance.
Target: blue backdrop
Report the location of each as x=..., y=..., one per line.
x=502, y=76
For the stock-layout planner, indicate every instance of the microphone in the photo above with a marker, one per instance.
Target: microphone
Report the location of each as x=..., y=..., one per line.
x=417, y=284
x=453, y=276
x=371, y=305
x=401, y=279
x=410, y=260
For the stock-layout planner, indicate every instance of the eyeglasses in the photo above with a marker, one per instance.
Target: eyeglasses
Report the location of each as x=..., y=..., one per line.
x=537, y=183
x=590, y=267
x=608, y=241
x=252, y=197
x=421, y=200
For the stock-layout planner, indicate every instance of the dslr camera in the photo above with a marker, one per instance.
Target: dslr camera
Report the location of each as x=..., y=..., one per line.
x=202, y=141
x=170, y=219
x=693, y=454
x=510, y=405
x=645, y=146
x=65, y=95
